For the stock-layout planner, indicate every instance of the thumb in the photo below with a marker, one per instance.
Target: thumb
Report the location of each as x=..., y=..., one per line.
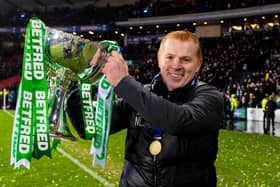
x=95, y=58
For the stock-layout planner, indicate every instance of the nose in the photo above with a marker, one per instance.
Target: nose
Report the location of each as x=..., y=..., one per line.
x=176, y=64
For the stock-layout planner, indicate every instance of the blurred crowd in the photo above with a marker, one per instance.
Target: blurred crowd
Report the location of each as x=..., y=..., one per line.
x=11, y=50
x=244, y=64
x=90, y=14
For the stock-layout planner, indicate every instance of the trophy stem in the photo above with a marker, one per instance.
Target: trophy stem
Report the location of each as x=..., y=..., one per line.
x=58, y=126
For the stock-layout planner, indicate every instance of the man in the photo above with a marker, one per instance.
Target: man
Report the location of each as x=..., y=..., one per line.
x=233, y=107
x=227, y=111
x=173, y=124
x=263, y=103
x=270, y=108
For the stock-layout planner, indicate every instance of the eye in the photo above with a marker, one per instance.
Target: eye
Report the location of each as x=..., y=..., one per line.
x=169, y=57
x=185, y=60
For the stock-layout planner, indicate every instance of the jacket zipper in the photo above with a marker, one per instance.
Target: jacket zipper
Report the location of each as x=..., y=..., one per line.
x=155, y=170
x=168, y=95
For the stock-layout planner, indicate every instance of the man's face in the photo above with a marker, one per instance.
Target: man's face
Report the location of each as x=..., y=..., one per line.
x=178, y=62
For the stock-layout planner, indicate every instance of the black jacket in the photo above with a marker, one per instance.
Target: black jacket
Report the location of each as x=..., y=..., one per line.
x=189, y=118
x=270, y=108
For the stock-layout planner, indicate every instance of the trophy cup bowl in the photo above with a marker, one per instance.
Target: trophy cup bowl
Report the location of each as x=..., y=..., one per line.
x=68, y=59
x=72, y=52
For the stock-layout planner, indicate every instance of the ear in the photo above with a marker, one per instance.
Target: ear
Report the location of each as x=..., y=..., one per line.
x=158, y=58
x=198, y=65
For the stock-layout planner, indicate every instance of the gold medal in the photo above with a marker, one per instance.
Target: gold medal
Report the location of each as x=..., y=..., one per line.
x=155, y=147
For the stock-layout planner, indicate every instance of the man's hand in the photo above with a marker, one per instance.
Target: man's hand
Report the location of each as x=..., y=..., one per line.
x=115, y=68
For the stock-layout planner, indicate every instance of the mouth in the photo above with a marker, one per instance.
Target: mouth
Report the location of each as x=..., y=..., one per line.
x=176, y=75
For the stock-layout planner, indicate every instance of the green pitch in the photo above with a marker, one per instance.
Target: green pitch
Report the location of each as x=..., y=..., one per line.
x=243, y=160
x=60, y=170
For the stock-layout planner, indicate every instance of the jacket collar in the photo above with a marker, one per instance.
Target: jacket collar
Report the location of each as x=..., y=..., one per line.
x=159, y=87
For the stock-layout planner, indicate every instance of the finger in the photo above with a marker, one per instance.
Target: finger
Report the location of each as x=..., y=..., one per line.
x=95, y=58
x=104, y=69
x=118, y=56
x=114, y=53
x=121, y=57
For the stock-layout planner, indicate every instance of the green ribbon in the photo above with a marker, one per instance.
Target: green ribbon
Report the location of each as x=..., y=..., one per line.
x=98, y=127
x=103, y=112
x=16, y=128
x=30, y=136
x=31, y=126
x=87, y=107
x=103, y=115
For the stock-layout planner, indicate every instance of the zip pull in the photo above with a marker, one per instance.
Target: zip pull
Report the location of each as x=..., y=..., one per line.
x=168, y=95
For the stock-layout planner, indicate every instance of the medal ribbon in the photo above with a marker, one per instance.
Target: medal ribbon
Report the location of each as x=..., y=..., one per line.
x=31, y=126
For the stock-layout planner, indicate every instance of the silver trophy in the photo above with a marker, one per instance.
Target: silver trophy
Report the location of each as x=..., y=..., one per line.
x=68, y=61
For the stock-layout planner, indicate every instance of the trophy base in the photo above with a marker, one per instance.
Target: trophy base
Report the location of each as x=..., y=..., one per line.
x=66, y=134
x=67, y=137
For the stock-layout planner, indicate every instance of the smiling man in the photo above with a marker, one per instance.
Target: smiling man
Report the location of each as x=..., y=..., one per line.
x=173, y=124
x=179, y=59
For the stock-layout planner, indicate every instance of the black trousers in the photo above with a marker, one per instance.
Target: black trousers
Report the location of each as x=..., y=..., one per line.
x=264, y=123
x=270, y=119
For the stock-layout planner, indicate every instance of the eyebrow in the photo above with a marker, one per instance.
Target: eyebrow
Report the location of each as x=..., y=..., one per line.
x=186, y=56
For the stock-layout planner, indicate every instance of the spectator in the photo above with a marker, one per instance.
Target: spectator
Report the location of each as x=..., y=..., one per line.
x=270, y=108
x=264, y=102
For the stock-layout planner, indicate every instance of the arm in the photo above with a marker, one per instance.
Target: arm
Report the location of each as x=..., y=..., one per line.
x=203, y=113
x=120, y=118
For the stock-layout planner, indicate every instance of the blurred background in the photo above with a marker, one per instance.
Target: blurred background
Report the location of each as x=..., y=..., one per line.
x=240, y=41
